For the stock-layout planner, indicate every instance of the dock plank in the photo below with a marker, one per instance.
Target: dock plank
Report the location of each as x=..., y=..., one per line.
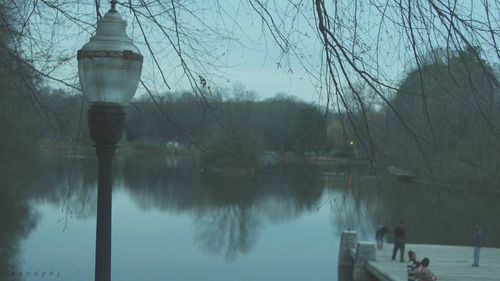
x=448, y=263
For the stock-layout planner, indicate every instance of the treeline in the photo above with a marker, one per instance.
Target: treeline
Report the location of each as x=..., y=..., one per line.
x=234, y=130
x=281, y=123
x=231, y=129
x=442, y=122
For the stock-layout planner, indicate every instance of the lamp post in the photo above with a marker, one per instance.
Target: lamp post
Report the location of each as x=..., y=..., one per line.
x=109, y=67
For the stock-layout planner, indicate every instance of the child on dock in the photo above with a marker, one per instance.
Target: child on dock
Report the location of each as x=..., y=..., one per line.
x=412, y=266
x=424, y=273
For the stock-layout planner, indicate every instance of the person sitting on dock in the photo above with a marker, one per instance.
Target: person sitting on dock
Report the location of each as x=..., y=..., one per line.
x=412, y=265
x=424, y=273
x=399, y=242
x=379, y=235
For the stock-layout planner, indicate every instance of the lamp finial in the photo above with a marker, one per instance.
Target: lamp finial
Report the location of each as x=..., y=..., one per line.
x=113, y=4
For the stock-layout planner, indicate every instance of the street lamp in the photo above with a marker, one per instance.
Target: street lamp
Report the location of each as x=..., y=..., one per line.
x=109, y=66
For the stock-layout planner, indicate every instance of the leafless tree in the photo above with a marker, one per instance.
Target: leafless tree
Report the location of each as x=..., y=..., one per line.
x=335, y=44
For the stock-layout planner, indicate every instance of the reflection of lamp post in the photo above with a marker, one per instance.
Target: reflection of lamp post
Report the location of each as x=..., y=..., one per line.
x=109, y=67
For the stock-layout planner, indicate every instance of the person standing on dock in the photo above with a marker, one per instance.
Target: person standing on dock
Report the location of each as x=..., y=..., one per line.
x=399, y=242
x=379, y=235
x=478, y=236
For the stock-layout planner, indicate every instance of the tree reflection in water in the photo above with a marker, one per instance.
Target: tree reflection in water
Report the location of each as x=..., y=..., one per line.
x=229, y=213
x=228, y=230
x=433, y=214
x=16, y=222
x=17, y=218
x=33, y=179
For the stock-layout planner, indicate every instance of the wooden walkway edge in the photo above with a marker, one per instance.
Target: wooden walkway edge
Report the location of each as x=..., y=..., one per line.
x=361, y=261
x=448, y=263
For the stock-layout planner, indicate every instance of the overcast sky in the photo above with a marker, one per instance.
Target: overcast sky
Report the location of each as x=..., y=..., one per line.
x=229, y=44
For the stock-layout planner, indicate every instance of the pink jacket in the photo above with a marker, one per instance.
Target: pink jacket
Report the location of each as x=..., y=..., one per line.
x=424, y=274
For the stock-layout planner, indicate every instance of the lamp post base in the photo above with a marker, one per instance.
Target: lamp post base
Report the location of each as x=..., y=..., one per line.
x=106, y=124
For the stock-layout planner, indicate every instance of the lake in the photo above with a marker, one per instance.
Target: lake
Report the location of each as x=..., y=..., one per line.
x=173, y=222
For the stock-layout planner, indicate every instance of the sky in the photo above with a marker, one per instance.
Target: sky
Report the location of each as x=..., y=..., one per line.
x=245, y=55
x=228, y=48
x=229, y=44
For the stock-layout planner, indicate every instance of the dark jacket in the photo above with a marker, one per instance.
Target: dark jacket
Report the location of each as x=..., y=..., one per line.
x=381, y=231
x=400, y=232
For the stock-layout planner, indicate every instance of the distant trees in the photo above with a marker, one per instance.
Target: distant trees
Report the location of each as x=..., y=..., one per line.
x=237, y=130
x=445, y=117
x=281, y=123
x=277, y=117
x=341, y=137
x=442, y=121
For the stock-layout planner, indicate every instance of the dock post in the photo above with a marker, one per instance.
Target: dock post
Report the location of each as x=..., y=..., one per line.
x=365, y=252
x=348, y=241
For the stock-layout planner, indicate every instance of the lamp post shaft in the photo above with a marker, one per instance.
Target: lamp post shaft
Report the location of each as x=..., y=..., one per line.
x=106, y=128
x=103, y=225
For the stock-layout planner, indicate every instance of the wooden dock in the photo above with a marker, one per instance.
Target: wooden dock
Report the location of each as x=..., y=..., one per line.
x=448, y=263
x=361, y=261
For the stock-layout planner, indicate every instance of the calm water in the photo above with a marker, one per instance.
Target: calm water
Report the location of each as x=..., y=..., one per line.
x=171, y=222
